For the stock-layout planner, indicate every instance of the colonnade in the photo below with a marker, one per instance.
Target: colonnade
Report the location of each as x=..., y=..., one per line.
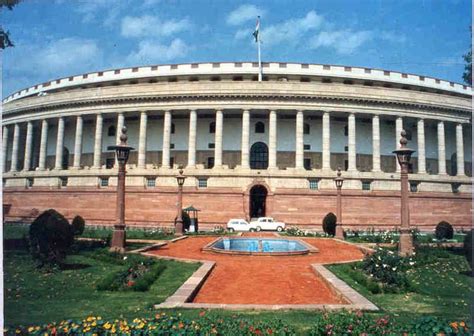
x=218, y=148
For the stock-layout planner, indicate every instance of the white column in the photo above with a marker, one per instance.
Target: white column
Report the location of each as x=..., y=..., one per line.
x=398, y=131
x=165, y=160
x=245, y=139
x=59, y=144
x=299, y=155
x=218, y=139
x=192, y=139
x=326, y=141
x=272, y=141
x=28, y=146
x=421, y=146
x=43, y=145
x=376, y=144
x=78, y=143
x=4, y=148
x=142, y=140
x=16, y=140
x=98, y=141
x=352, y=143
x=441, y=149
x=459, y=150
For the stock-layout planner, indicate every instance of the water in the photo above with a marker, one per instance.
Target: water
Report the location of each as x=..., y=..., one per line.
x=266, y=245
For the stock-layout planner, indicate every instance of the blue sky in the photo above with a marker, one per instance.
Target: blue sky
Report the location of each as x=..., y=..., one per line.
x=57, y=38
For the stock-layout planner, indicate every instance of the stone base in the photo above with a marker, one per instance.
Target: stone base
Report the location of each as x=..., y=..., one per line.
x=405, y=246
x=339, y=232
x=118, y=240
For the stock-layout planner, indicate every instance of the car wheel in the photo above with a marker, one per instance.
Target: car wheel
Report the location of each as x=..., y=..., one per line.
x=279, y=229
x=231, y=230
x=252, y=230
x=259, y=228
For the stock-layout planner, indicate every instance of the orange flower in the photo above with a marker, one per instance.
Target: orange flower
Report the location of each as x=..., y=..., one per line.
x=202, y=313
x=181, y=325
x=454, y=325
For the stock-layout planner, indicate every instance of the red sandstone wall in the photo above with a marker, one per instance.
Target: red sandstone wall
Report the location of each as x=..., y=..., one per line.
x=157, y=207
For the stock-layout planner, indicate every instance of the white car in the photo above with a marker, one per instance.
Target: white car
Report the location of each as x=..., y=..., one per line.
x=267, y=223
x=239, y=225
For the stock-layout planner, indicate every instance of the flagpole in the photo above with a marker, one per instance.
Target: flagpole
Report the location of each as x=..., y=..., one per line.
x=259, y=60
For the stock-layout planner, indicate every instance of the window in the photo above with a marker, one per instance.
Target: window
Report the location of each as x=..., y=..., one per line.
x=172, y=146
x=313, y=184
x=63, y=181
x=306, y=147
x=210, y=162
x=306, y=128
x=413, y=186
x=346, y=164
x=172, y=128
x=202, y=182
x=29, y=182
x=366, y=185
x=171, y=162
x=112, y=131
x=104, y=181
x=109, y=163
x=259, y=156
x=307, y=163
x=346, y=148
x=409, y=134
x=346, y=130
x=151, y=181
x=259, y=127
x=212, y=127
x=455, y=187
x=211, y=145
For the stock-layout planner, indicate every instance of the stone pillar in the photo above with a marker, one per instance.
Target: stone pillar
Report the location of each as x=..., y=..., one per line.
x=78, y=143
x=218, y=139
x=299, y=155
x=398, y=131
x=118, y=132
x=272, y=141
x=376, y=144
x=142, y=140
x=326, y=141
x=459, y=150
x=28, y=146
x=59, y=144
x=98, y=141
x=4, y=148
x=352, y=143
x=16, y=140
x=441, y=149
x=192, y=139
x=43, y=145
x=421, y=146
x=245, y=139
x=165, y=161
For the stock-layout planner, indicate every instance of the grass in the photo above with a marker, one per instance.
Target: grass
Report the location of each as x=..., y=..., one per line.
x=442, y=287
x=35, y=297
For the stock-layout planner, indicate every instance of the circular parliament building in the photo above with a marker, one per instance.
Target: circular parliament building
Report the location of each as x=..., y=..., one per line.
x=248, y=148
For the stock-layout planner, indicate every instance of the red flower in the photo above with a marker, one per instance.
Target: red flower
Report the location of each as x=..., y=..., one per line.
x=130, y=283
x=269, y=331
x=202, y=313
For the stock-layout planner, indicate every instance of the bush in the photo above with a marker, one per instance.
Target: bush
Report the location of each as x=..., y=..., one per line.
x=78, y=225
x=329, y=224
x=428, y=325
x=468, y=248
x=444, y=230
x=51, y=237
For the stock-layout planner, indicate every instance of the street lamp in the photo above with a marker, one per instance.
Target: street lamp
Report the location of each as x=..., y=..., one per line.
x=122, y=152
x=339, y=181
x=405, y=246
x=179, y=219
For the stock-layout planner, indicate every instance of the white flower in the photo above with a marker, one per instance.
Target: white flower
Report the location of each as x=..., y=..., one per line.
x=412, y=263
x=125, y=258
x=385, y=266
x=394, y=268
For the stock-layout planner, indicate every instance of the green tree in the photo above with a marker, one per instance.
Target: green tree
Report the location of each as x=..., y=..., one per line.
x=467, y=75
x=5, y=40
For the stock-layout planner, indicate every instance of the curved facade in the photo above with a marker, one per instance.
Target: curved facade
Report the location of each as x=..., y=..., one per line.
x=248, y=148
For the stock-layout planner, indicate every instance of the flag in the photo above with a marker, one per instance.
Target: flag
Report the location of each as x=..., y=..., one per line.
x=257, y=28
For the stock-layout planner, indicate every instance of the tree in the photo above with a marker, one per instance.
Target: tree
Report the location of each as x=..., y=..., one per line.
x=5, y=40
x=467, y=75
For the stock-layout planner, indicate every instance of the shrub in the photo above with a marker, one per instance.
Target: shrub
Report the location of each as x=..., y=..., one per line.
x=51, y=237
x=468, y=248
x=429, y=325
x=78, y=225
x=329, y=224
x=444, y=230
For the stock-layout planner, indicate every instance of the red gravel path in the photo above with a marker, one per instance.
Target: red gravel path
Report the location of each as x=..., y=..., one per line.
x=264, y=279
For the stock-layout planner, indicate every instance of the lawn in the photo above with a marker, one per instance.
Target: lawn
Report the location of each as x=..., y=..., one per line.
x=35, y=297
x=441, y=286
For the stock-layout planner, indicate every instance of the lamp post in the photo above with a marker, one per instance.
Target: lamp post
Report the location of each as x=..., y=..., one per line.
x=179, y=218
x=339, y=181
x=122, y=151
x=405, y=246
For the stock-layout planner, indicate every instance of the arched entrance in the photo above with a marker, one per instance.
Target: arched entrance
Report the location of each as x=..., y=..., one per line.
x=259, y=156
x=258, y=197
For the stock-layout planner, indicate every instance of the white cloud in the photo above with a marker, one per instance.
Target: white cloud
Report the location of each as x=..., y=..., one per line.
x=244, y=13
x=291, y=30
x=106, y=11
x=148, y=52
x=343, y=41
x=152, y=26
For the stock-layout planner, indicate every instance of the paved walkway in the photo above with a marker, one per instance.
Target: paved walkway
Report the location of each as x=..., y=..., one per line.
x=264, y=279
